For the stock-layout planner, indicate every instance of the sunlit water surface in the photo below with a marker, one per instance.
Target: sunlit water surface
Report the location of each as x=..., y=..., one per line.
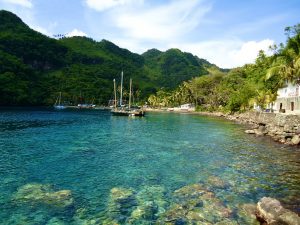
x=91, y=152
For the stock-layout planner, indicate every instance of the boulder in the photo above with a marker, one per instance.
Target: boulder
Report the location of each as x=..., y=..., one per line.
x=270, y=211
x=262, y=130
x=295, y=140
x=249, y=131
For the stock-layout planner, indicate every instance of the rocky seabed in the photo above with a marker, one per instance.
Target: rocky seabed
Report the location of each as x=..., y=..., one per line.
x=194, y=204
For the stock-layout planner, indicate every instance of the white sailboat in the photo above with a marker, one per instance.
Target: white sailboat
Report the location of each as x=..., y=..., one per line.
x=58, y=104
x=123, y=110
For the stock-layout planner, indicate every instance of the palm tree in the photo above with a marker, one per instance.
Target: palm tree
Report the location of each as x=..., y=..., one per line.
x=153, y=101
x=287, y=63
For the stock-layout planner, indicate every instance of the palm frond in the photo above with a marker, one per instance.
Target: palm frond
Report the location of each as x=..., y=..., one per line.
x=273, y=71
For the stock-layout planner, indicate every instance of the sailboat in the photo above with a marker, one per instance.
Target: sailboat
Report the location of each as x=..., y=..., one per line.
x=122, y=110
x=58, y=104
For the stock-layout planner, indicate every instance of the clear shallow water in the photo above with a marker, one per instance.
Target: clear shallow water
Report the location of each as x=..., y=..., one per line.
x=91, y=152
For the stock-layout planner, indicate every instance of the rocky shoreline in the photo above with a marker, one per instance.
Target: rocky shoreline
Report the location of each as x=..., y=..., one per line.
x=282, y=128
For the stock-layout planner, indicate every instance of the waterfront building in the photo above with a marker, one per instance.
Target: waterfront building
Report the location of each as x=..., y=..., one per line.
x=288, y=98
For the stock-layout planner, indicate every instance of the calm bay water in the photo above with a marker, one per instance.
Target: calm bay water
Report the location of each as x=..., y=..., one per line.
x=91, y=152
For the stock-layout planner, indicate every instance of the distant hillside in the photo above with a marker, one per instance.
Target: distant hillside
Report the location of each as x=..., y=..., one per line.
x=172, y=67
x=34, y=67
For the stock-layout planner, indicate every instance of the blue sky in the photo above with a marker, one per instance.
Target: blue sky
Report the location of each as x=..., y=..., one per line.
x=228, y=33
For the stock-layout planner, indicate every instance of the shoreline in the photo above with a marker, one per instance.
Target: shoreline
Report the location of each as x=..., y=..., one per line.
x=282, y=128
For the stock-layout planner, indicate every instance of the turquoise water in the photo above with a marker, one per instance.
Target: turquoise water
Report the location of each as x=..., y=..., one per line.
x=88, y=153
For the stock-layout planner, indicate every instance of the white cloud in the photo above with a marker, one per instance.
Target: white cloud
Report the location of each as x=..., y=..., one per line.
x=248, y=52
x=76, y=32
x=165, y=22
x=101, y=5
x=23, y=3
x=227, y=53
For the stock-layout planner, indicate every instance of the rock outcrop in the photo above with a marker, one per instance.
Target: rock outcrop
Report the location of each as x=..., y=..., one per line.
x=194, y=204
x=271, y=212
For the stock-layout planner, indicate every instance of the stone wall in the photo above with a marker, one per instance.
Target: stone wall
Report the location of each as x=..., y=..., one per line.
x=281, y=127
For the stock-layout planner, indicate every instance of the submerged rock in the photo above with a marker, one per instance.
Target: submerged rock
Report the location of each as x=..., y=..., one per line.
x=272, y=212
x=189, y=192
x=176, y=214
x=125, y=206
x=147, y=211
x=247, y=214
x=216, y=182
x=120, y=205
x=194, y=204
x=151, y=203
x=44, y=194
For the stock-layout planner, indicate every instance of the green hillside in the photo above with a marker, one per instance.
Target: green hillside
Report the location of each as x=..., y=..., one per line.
x=240, y=88
x=34, y=67
x=172, y=67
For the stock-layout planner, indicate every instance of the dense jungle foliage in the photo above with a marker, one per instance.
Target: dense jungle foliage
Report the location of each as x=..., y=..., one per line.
x=240, y=88
x=35, y=68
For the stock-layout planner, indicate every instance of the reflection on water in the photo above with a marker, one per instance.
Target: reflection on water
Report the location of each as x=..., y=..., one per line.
x=87, y=167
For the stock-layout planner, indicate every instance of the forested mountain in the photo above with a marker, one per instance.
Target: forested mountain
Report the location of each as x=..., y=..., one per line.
x=34, y=67
x=172, y=67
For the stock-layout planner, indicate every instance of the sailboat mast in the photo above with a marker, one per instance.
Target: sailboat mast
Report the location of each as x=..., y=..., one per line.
x=121, y=92
x=59, y=98
x=115, y=92
x=130, y=86
x=56, y=100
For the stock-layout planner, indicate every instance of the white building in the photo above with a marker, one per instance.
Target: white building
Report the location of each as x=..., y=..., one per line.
x=288, y=98
x=187, y=107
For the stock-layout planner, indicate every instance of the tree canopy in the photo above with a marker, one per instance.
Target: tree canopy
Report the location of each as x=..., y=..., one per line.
x=34, y=67
x=239, y=88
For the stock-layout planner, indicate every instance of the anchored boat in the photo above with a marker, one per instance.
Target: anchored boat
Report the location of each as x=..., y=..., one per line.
x=122, y=110
x=57, y=104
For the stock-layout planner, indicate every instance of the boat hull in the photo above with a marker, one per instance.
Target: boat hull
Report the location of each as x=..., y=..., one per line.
x=59, y=107
x=127, y=113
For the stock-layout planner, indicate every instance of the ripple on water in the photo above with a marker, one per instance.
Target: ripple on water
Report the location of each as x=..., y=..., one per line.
x=86, y=167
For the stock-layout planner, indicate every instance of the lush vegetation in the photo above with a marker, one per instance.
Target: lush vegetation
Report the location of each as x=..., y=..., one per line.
x=240, y=88
x=34, y=67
